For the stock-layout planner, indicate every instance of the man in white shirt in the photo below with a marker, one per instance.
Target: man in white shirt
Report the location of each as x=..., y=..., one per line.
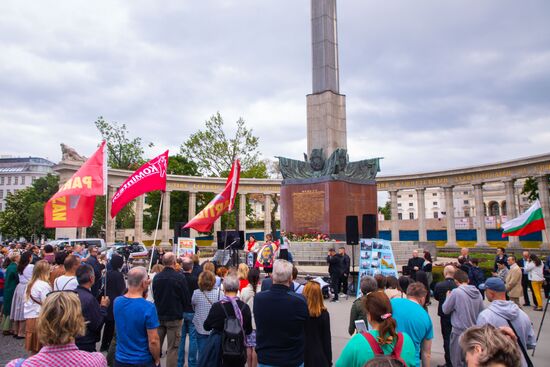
x=68, y=281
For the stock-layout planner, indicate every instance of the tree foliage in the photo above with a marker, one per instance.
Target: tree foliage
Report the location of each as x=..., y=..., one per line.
x=123, y=151
x=214, y=151
x=24, y=212
x=531, y=189
x=385, y=210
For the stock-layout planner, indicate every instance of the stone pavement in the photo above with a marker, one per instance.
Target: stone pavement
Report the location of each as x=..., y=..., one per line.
x=11, y=348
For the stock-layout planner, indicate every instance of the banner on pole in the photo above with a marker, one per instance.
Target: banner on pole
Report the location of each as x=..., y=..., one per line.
x=186, y=246
x=376, y=257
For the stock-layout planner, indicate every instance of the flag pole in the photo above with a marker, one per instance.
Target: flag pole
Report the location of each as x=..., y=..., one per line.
x=156, y=230
x=106, y=191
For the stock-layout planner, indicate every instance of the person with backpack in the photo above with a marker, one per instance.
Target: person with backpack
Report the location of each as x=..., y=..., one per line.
x=231, y=318
x=381, y=340
x=247, y=296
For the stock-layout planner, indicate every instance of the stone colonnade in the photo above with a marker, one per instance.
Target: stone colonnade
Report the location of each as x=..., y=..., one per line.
x=481, y=234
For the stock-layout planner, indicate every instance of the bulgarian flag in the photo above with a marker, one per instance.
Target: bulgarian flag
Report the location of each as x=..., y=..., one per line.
x=529, y=222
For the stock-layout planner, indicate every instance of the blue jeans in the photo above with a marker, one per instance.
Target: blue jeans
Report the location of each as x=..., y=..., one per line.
x=187, y=327
x=267, y=365
x=202, y=339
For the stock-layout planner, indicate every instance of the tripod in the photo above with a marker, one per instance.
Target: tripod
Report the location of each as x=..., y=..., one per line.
x=540, y=326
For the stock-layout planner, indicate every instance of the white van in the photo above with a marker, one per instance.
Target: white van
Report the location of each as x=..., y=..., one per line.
x=85, y=242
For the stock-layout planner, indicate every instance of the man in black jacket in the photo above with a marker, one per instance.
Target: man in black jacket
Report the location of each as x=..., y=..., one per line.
x=188, y=313
x=94, y=263
x=440, y=294
x=280, y=316
x=93, y=312
x=415, y=264
x=346, y=263
x=335, y=269
x=525, y=283
x=172, y=297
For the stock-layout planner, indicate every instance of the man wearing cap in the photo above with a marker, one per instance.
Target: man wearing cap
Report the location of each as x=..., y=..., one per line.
x=506, y=313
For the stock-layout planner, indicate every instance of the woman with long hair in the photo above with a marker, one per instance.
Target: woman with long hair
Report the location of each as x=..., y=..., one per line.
x=381, y=339
x=242, y=272
x=427, y=266
x=35, y=295
x=59, y=322
x=17, y=315
x=10, y=283
x=247, y=296
x=534, y=269
x=318, y=348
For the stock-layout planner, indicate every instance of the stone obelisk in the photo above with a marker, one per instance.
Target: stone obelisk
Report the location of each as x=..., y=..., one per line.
x=326, y=107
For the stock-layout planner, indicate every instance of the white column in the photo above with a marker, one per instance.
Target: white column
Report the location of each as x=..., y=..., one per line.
x=166, y=235
x=481, y=231
x=450, y=216
x=192, y=211
x=242, y=212
x=138, y=223
x=511, y=211
x=394, y=216
x=544, y=198
x=267, y=215
x=421, y=203
x=111, y=223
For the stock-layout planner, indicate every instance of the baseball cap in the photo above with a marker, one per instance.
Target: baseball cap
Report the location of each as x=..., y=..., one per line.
x=494, y=284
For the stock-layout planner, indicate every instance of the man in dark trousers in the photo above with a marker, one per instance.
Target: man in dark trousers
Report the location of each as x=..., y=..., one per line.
x=280, y=316
x=345, y=268
x=440, y=294
x=335, y=269
x=525, y=283
x=94, y=263
x=188, y=313
x=415, y=264
x=172, y=297
x=94, y=313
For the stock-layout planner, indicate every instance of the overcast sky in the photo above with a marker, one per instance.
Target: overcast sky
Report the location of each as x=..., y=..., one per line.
x=430, y=84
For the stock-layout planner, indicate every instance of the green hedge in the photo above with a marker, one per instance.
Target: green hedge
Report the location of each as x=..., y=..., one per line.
x=486, y=266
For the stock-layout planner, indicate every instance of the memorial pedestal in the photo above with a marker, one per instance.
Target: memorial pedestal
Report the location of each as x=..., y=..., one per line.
x=322, y=207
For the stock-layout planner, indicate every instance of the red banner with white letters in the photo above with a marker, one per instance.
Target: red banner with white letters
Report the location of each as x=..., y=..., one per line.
x=149, y=177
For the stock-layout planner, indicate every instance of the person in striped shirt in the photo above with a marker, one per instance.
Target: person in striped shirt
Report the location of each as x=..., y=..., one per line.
x=59, y=322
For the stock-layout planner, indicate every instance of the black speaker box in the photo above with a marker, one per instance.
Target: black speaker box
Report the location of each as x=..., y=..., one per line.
x=369, y=226
x=352, y=230
x=179, y=231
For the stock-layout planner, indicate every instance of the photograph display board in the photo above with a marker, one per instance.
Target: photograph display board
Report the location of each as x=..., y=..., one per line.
x=376, y=257
x=186, y=246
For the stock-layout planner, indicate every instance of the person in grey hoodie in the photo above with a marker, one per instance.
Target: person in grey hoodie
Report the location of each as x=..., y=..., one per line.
x=500, y=311
x=464, y=305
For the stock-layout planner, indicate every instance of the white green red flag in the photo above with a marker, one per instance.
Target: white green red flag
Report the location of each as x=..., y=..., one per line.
x=529, y=222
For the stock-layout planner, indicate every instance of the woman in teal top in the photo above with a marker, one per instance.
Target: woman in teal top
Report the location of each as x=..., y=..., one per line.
x=358, y=351
x=11, y=281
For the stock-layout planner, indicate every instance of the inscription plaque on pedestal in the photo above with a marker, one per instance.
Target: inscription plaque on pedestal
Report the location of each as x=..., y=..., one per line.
x=309, y=208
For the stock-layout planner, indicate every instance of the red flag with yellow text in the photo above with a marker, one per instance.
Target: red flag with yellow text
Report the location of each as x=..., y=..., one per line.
x=73, y=204
x=223, y=202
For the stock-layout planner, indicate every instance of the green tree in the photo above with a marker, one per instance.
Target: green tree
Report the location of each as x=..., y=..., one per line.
x=531, y=189
x=385, y=210
x=24, y=212
x=123, y=151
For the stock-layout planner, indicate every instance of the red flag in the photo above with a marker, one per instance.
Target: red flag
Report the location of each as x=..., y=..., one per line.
x=73, y=204
x=149, y=177
x=223, y=202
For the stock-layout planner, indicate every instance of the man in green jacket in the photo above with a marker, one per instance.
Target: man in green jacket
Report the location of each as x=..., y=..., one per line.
x=368, y=284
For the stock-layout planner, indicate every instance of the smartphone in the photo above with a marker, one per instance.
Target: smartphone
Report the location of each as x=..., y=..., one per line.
x=360, y=326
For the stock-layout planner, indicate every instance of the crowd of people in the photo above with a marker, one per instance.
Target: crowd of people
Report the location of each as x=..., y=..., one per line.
x=68, y=303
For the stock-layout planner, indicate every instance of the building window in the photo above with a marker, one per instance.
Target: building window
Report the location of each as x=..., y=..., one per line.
x=16, y=180
x=410, y=204
x=399, y=196
x=9, y=180
x=2, y=180
x=22, y=180
x=411, y=215
x=436, y=215
x=467, y=213
x=33, y=179
x=434, y=194
x=434, y=203
x=1, y=194
x=465, y=192
x=399, y=204
x=466, y=202
x=410, y=195
x=400, y=216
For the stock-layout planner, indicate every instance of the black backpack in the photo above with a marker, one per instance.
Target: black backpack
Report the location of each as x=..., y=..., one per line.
x=233, y=348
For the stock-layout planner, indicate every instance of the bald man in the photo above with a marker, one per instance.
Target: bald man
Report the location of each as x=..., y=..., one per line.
x=415, y=264
x=440, y=294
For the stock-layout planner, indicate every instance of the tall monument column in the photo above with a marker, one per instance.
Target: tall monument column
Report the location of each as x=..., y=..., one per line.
x=192, y=211
x=111, y=223
x=138, y=224
x=326, y=107
x=165, y=239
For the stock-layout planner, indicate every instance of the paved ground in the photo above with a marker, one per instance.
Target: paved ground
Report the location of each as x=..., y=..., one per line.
x=339, y=313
